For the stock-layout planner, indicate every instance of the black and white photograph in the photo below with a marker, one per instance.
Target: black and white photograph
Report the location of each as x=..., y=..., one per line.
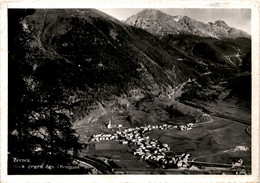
x=129, y=91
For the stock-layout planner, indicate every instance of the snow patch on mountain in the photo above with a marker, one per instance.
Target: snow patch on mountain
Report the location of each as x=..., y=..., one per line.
x=177, y=18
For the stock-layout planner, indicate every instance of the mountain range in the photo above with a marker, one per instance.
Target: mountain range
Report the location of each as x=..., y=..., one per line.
x=104, y=56
x=69, y=67
x=159, y=23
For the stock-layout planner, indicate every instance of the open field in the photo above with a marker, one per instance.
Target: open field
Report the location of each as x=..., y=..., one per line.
x=120, y=156
x=226, y=132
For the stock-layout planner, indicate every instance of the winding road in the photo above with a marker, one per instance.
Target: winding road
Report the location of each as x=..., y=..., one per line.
x=99, y=165
x=248, y=130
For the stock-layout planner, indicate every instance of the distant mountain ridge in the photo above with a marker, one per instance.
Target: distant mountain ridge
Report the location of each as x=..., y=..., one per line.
x=159, y=23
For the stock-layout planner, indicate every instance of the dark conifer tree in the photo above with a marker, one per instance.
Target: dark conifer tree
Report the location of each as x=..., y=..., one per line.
x=39, y=126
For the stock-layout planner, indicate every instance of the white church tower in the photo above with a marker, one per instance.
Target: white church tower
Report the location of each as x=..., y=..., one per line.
x=109, y=125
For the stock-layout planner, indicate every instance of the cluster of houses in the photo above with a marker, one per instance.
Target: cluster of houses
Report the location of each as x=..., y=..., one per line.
x=122, y=136
x=131, y=133
x=241, y=148
x=101, y=137
x=186, y=127
x=147, y=149
x=153, y=150
x=166, y=126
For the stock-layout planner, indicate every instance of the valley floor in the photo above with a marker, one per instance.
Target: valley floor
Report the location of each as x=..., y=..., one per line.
x=214, y=145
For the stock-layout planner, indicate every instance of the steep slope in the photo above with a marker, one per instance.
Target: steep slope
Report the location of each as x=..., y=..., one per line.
x=93, y=56
x=225, y=51
x=159, y=23
x=103, y=56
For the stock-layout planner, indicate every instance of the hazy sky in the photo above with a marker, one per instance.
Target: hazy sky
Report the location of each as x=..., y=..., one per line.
x=238, y=18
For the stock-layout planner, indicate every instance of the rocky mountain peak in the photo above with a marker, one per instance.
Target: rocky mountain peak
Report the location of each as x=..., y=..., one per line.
x=151, y=14
x=221, y=23
x=160, y=23
x=149, y=11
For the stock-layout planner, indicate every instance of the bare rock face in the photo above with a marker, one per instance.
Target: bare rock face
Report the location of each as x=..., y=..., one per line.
x=159, y=23
x=222, y=24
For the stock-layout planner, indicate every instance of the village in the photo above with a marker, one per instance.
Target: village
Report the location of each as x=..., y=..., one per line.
x=152, y=150
x=146, y=148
